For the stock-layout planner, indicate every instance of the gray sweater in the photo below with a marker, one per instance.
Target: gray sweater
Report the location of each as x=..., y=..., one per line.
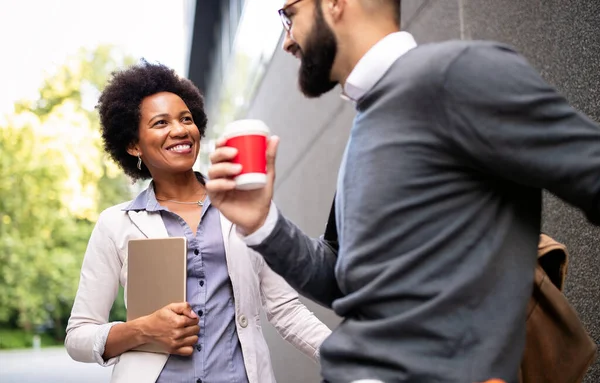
x=438, y=215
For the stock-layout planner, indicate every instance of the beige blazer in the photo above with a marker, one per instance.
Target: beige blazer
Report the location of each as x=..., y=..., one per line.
x=255, y=286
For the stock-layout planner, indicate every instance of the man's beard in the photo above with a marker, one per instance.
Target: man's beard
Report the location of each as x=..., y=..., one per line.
x=317, y=60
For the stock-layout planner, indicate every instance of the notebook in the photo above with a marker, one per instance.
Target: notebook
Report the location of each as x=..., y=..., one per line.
x=156, y=277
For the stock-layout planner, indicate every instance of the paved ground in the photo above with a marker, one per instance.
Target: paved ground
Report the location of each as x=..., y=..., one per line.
x=49, y=365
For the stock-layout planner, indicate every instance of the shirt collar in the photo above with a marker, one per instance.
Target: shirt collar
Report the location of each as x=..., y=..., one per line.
x=146, y=200
x=375, y=63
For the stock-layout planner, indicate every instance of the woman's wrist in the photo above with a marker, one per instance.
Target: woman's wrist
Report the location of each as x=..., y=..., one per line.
x=124, y=337
x=139, y=327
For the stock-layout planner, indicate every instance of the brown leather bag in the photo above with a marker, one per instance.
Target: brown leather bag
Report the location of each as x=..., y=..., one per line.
x=558, y=348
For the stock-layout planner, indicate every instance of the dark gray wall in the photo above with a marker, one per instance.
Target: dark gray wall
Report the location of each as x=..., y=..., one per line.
x=560, y=38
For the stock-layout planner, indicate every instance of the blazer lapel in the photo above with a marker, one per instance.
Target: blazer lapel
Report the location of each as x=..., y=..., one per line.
x=150, y=224
x=135, y=366
x=226, y=227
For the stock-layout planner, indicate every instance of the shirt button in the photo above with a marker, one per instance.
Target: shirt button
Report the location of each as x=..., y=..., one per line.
x=200, y=313
x=196, y=252
x=199, y=347
x=201, y=282
x=243, y=321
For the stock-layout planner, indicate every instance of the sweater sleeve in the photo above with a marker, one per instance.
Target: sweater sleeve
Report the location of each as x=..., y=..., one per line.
x=307, y=264
x=506, y=121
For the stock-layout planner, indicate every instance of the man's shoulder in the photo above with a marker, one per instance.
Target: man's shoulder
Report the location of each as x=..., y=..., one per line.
x=426, y=67
x=447, y=51
x=425, y=70
x=435, y=58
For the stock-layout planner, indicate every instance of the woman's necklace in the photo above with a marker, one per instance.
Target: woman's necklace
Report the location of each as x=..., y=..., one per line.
x=200, y=202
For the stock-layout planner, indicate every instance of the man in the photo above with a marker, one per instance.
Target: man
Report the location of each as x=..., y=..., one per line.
x=438, y=201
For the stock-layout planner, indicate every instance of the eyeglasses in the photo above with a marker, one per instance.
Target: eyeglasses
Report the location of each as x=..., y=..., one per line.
x=285, y=18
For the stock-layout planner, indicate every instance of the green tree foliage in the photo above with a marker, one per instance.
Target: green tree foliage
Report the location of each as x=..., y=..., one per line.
x=54, y=181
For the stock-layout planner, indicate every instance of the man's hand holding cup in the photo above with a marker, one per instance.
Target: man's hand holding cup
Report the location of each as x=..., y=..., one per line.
x=242, y=174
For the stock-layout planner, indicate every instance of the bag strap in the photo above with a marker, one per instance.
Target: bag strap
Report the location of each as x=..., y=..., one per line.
x=553, y=257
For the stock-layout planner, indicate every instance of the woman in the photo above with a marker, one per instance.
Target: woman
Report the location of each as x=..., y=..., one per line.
x=152, y=124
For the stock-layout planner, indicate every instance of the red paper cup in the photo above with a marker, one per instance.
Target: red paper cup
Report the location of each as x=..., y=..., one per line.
x=249, y=137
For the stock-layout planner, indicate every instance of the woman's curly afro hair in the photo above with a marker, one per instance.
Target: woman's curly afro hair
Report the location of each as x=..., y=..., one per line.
x=119, y=108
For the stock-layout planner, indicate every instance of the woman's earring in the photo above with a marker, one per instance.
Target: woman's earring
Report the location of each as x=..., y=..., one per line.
x=139, y=164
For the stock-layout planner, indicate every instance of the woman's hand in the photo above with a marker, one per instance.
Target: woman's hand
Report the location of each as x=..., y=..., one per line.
x=174, y=328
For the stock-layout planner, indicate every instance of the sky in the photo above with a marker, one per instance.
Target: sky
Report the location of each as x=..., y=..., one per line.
x=37, y=35
x=260, y=27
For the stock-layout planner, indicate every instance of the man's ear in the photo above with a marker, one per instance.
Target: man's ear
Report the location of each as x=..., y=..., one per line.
x=134, y=150
x=335, y=8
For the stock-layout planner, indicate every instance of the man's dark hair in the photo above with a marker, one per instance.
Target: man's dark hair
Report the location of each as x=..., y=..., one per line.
x=119, y=108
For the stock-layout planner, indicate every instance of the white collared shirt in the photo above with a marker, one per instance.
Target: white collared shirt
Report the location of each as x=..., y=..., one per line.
x=376, y=62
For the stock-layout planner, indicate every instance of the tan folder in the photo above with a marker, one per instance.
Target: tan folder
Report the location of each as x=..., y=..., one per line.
x=156, y=277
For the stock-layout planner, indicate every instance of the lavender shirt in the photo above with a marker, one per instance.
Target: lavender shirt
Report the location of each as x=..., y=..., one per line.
x=218, y=354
